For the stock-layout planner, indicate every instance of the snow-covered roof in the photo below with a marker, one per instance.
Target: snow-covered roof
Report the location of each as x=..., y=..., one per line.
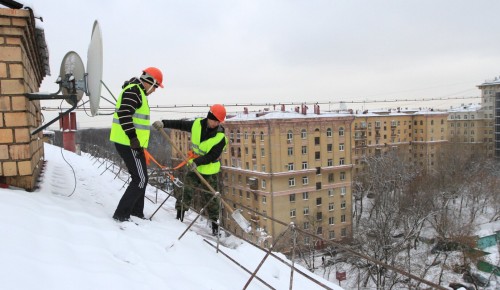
x=466, y=108
x=488, y=229
x=492, y=82
x=292, y=114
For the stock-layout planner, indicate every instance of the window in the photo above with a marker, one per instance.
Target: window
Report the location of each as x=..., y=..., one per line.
x=305, y=195
x=343, y=232
x=331, y=235
x=341, y=146
x=329, y=147
x=330, y=192
x=262, y=152
x=263, y=183
x=290, y=151
x=292, y=197
x=330, y=177
x=329, y=162
x=248, y=194
x=264, y=199
x=342, y=204
x=319, y=231
x=261, y=136
x=291, y=181
x=317, y=155
x=305, y=180
x=331, y=220
x=291, y=166
x=292, y=213
x=318, y=201
x=330, y=206
x=342, y=218
x=303, y=134
x=306, y=225
x=316, y=140
x=341, y=131
x=329, y=132
x=319, y=216
x=341, y=161
x=318, y=185
x=304, y=165
x=342, y=175
x=342, y=190
x=306, y=210
x=289, y=135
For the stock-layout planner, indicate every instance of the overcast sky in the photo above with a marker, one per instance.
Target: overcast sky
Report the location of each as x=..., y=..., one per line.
x=272, y=51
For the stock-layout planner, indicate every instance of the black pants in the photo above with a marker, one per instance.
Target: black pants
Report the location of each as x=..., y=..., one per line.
x=132, y=201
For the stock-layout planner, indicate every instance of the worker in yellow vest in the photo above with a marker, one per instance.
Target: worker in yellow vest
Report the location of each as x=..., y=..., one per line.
x=130, y=133
x=208, y=140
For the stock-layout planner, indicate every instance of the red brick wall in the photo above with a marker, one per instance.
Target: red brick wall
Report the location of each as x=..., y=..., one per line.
x=21, y=72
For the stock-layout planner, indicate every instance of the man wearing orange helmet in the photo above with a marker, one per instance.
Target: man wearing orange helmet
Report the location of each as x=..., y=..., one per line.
x=130, y=133
x=207, y=142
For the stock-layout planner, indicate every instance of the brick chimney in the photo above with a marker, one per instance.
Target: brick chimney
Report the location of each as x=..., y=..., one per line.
x=23, y=65
x=316, y=109
x=304, y=109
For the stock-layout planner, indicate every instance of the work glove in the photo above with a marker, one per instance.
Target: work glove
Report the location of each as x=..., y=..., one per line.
x=158, y=125
x=135, y=144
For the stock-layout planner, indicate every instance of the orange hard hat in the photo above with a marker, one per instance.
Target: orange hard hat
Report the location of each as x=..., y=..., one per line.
x=154, y=74
x=219, y=112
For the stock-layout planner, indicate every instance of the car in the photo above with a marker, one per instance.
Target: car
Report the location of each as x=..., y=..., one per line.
x=476, y=279
x=457, y=286
x=447, y=246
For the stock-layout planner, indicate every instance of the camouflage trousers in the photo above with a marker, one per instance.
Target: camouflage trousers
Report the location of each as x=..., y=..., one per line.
x=195, y=189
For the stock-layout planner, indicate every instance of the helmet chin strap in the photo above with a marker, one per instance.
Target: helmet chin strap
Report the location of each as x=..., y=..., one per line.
x=151, y=86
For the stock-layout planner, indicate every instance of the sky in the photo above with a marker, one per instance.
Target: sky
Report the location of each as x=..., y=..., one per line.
x=62, y=236
x=282, y=51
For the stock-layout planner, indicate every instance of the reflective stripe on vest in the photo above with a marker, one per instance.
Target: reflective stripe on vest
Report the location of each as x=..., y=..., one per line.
x=140, y=120
x=202, y=148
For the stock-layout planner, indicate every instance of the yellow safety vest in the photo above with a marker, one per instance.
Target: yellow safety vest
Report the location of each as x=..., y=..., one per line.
x=202, y=148
x=140, y=119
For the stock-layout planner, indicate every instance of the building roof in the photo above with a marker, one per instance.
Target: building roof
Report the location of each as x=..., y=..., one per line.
x=492, y=82
x=466, y=108
x=293, y=114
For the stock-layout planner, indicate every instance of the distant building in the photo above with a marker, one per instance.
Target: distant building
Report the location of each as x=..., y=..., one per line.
x=298, y=165
x=293, y=166
x=417, y=134
x=490, y=113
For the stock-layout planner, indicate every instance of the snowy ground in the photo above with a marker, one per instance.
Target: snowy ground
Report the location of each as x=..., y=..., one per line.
x=60, y=238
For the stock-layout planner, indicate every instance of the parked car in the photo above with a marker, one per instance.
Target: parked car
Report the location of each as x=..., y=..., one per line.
x=456, y=286
x=447, y=246
x=476, y=279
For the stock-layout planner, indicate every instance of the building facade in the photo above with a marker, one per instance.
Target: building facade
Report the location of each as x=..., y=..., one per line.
x=490, y=113
x=292, y=166
x=417, y=134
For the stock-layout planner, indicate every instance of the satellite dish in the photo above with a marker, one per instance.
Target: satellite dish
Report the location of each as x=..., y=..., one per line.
x=73, y=81
x=72, y=65
x=94, y=69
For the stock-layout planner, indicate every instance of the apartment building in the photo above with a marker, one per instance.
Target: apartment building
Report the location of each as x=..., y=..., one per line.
x=490, y=114
x=293, y=166
x=418, y=134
